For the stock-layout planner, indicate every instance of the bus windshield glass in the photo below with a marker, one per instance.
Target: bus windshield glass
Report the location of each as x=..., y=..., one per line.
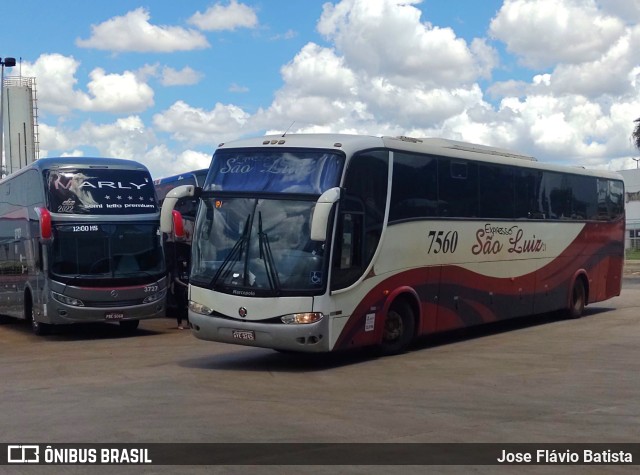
x=250, y=246
x=100, y=191
x=106, y=250
x=302, y=171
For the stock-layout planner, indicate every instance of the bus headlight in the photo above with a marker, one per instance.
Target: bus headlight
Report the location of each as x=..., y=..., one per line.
x=302, y=318
x=74, y=302
x=155, y=297
x=199, y=308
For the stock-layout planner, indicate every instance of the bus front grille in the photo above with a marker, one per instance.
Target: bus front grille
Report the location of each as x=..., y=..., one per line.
x=111, y=303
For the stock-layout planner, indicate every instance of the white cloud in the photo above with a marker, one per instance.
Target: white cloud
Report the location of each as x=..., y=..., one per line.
x=386, y=38
x=117, y=93
x=114, y=93
x=55, y=79
x=133, y=32
x=53, y=138
x=238, y=88
x=219, y=17
x=185, y=77
x=127, y=137
x=608, y=74
x=287, y=35
x=386, y=71
x=544, y=32
x=73, y=153
x=162, y=162
x=197, y=126
x=193, y=160
x=147, y=71
x=627, y=10
x=318, y=71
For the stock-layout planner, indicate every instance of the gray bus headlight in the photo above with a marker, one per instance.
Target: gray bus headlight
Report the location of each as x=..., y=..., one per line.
x=199, y=308
x=154, y=297
x=302, y=318
x=74, y=302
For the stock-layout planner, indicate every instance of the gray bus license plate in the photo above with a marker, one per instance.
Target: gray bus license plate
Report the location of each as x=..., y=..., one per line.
x=243, y=334
x=114, y=316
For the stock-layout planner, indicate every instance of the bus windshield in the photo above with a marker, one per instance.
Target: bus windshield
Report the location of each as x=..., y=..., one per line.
x=249, y=246
x=108, y=250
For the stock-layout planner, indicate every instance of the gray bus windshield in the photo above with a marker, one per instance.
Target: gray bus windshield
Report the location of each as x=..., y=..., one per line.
x=113, y=250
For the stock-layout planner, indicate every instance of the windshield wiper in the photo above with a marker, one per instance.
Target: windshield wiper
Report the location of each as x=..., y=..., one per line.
x=234, y=255
x=267, y=256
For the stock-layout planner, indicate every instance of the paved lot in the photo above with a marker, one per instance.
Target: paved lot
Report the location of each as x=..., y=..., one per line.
x=535, y=380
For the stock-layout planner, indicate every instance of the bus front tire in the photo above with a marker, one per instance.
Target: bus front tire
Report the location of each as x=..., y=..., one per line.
x=578, y=299
x=399, y=326
x=38, y=328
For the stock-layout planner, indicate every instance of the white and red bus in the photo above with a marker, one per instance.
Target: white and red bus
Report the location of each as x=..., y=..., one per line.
x=322, y=242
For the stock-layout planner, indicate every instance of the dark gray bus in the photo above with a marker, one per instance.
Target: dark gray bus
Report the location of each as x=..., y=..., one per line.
x=177, y=249
x=80, y=242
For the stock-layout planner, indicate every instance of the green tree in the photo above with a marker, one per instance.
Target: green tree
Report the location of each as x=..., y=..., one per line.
x=636, y=134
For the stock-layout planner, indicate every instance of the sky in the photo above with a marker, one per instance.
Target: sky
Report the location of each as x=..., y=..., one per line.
x=165, y=82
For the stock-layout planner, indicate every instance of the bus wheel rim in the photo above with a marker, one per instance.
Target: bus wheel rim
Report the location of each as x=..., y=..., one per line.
x=393, y=326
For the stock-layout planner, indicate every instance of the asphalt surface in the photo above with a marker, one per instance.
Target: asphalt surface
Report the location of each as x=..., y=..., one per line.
x=537, y=380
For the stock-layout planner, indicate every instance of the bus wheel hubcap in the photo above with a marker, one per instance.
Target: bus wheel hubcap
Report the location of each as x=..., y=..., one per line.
x=393, y=326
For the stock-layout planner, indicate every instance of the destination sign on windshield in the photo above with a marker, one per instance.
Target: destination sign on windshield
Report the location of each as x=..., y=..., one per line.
x=103, y=191
x=282, y=171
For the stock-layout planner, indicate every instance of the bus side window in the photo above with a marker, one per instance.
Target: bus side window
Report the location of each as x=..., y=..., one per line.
x=349, y=261
x=351, y=236
x=361, y=218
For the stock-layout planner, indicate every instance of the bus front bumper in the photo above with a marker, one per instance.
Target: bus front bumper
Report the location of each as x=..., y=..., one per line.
x=309, y=338
x=60, y=314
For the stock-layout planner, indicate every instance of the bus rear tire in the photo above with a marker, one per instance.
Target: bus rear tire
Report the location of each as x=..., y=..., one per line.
x=399, y=327
x=578, y=299
x=129, y=325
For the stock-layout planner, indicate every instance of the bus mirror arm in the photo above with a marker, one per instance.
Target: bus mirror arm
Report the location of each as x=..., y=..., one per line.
x=166, y=213
x=321, y=214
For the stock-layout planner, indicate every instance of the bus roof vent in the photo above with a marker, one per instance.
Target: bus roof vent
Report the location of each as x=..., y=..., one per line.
x=404, y=138
x=476, y=148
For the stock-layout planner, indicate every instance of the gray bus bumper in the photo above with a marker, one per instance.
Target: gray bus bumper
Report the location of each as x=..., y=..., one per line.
x=60, y=314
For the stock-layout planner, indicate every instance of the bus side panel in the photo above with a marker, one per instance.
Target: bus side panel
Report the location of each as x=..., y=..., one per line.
x=597, y=252
x=457, y=297
x=14, y=263
x=470, y=298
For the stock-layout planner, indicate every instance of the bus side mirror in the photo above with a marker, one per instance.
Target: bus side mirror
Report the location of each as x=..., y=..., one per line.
x=320, y=219
x=44, y=217
x=166, y=213
x=178, y=225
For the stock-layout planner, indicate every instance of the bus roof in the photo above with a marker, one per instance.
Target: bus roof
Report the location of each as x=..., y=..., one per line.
x=350, y=144
x=180, y=176
x=74, y=162
x=66, y=162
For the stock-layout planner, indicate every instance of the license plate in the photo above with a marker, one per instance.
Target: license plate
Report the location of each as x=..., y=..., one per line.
x=114, y=316
x=244, y=334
